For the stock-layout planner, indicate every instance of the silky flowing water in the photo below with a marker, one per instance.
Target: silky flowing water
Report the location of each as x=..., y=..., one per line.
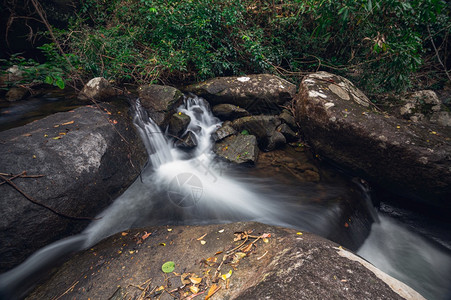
x=194, y=187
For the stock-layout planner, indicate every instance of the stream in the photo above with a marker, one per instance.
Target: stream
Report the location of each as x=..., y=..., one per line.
x=179, y=187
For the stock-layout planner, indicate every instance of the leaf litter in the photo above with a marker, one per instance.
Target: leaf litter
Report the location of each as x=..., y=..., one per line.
x=209, y=282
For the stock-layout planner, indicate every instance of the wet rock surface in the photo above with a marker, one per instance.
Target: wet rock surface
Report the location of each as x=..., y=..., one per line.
x=16, y=94
x=255, y=93
x=98, y=89
x=224, y=131
x=341, y=125
x=160, y=101
x=229, y=111
x=287, y=163
x=178, y=124
x=263, y=262
x=188, y=141
x=263, y=127
x=86, y=164
x=238, y=149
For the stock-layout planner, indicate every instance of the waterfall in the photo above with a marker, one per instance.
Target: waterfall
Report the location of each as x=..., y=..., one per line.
x=194, y=187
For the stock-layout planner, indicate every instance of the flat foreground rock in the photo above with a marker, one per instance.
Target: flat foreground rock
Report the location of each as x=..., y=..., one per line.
x=264, y=262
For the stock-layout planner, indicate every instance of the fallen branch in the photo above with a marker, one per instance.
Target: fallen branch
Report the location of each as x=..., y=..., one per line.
x=8, y=181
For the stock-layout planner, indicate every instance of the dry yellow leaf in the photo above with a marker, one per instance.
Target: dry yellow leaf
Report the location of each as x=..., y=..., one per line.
x=195, y=280
x=226, y=275
x=68, y=123
x=213, y=289
x=183, y=278
x=194, y=289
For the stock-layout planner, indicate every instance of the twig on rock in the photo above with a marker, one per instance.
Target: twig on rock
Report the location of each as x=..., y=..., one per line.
x=7, y=180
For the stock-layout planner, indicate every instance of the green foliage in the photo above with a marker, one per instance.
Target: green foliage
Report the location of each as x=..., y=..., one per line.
x=380, y=43
x=54, y=71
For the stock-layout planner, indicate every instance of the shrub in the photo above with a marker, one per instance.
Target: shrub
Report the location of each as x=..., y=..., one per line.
x=383, y=44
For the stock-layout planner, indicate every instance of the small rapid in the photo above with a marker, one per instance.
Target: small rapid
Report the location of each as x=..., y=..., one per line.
x=194, y=187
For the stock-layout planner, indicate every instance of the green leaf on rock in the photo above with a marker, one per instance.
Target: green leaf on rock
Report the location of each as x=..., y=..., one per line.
x=168, y=267
x=245, y=132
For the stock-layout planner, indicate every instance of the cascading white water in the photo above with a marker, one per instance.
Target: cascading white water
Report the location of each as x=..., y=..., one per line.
x=194, y=188
x=409, y=257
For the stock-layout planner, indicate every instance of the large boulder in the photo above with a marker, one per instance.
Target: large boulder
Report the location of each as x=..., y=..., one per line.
x=160, y=101
x=237, y=261
x=255, y=93
x=240, y=149
x=340, y=124
x=87, y=158
x=98, y=89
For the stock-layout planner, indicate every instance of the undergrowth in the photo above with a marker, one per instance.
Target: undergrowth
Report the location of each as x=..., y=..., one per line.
x=385, y=45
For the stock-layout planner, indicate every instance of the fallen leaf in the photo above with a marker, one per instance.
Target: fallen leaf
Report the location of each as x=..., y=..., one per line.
x=194, y=289
x=168, y=267
x=213, y=289
x=299, y=233
x=433, y=132
x=211, y=260
x=237, y=257
x=62, y=133
x=34, y=156
x=124, y=233
x=146, y=235
x=265, y=235
x=169, y=229
x=265, y=240
x=226, y=275
x=68, y=123
x=46, y=135
x=201, y=237
x=184, y=278
x=346, y=225
x=162, y=244
x=203, y=242
x=219, y=252
x=56, y=126
x=221, y=231
x=56, y=138
x=26, y=134
x=195, y=280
